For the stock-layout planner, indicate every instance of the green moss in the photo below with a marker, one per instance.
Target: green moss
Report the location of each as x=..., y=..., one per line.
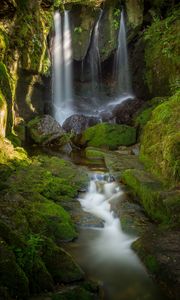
x=109, y=136
x=161, y=54
x=159, y=203
x=3, y=44
x=51, y=220
x=151, y=263
x=10, y=155
x=91, y=152
x=148, y=191
x=160, y=141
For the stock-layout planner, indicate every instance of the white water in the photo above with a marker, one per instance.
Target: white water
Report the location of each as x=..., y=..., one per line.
x=62, y=68
x=105, y=253
x=112, y=239
x=121, y=65
x=95, y=63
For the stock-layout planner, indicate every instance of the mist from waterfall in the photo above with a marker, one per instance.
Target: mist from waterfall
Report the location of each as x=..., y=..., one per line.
x=121, y=65
x=62, y=68
x=95, y=63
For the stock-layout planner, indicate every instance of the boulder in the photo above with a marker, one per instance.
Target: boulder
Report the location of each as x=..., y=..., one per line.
x=123, y=113
x=45, y=130
x=109, y=136
x=79, y=123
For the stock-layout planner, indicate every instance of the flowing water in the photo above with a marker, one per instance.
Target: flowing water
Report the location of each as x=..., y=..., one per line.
x=62, y=68
x=121, y=65
x=95, y=63
x=105, y=252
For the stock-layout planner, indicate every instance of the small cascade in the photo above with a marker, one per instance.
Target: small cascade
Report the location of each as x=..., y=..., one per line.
x=116, y=244
x=62, y=68
x=95, y=63
x=121, y=66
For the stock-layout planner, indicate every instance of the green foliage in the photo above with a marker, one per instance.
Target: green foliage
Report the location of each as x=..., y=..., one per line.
x=162, y=54
x=109, y=136
x=78, y=29
x=26, y=256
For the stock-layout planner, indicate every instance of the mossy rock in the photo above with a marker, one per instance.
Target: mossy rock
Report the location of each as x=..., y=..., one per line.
x=109, y=136
x=159, y=203
x=53, y=178
x=11, y=275
x=52, y=220
x=60, y=263
x=94, y=153
x=160, y=141
x=10, y=155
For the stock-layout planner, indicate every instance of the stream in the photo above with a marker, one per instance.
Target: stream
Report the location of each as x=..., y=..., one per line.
x=104, y=251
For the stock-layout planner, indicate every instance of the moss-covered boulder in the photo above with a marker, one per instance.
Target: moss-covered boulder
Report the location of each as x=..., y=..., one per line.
x=159, y=203
x=109, y=136
x=50, y=219
x=43, y=130
x=160, y=141
x=94, y=153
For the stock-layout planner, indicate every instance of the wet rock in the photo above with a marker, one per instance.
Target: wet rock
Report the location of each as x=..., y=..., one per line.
x=123, y=113
x=79, y=123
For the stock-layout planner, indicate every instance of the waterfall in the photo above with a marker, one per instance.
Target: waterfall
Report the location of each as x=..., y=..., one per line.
x=95, y=63
x=57, y=63
x=62, y=68
x=121, y=66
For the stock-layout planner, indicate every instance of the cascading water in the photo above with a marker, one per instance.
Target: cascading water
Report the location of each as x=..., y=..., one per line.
x=95, y=63
x=121, y=65
x=57, y=65
x=104, y=250
x=62, y=68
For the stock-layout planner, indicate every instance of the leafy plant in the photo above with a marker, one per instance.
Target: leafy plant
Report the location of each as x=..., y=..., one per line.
x=78, y=29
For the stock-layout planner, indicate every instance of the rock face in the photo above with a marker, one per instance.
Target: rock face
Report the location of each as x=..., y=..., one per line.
x=109, y=136
x=83, y=20
x=78, y=123
x=44, y=130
